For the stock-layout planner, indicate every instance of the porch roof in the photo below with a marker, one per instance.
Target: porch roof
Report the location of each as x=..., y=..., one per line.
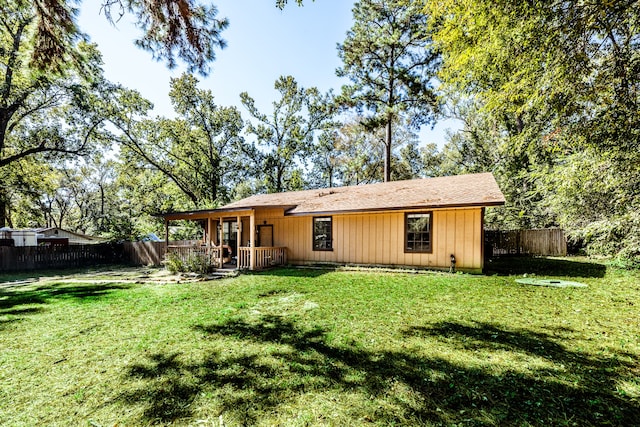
x=428, y=193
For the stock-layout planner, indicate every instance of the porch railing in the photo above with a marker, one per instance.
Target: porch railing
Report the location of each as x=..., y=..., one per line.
x=185, y=252
x=265, y=257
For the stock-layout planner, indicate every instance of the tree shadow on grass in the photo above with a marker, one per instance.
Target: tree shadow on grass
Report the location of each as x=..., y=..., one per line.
x=303, y=271
x=7, y=277
x=506, y=266
x=9, y=316
x=28, y=300
x=400, y=387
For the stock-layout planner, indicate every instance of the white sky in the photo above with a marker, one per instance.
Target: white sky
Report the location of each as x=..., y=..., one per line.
x=263, y=43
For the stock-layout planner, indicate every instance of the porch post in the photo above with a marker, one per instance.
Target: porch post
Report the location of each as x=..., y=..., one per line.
x=238, y=238
x=252, y=240
x=221, y=241
x=209, y=237
x=166, y=231
x=166, y=236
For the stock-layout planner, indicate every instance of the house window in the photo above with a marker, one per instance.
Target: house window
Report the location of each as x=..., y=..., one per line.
x=322, y=233
x=418, y=232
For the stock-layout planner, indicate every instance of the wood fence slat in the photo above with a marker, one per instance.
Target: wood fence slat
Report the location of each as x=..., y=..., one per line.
x=145, y=253
x=23, y=258
x=545, y=241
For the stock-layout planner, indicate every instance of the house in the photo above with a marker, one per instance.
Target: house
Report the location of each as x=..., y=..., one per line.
x=20, y=238
x=421, y=223
x=48, y=234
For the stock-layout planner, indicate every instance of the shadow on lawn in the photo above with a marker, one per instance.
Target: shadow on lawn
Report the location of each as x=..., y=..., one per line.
x=12, y=299
x=399, y=387
x=506, y=266
x=303, y=271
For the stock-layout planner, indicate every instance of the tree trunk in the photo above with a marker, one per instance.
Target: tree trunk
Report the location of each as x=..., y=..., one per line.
x=387, y=153
x=3, y=211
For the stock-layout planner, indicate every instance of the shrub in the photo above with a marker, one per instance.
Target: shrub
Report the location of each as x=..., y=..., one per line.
x=618, y=237
x=174, y=263
x=194, y=263
x=198, y=263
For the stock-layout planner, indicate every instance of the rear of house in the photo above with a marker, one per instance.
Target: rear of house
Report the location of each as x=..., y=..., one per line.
x=416, y=223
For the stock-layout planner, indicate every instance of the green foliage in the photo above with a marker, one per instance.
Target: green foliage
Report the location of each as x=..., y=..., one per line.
x=353, y=155
x=44, y=116
x=198, y=263
x=202, y=152
x=547, y=91
x=360, y=155
x=554, y=98
x=185, y=29
x=387, y=55
x=280, y=4
x=42, y=112
x=174, y=263
x=194, y=263
x=286, y=137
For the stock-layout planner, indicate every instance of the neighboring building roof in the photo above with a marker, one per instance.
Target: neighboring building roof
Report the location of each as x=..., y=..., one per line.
x=72, y=235
x=428, y=193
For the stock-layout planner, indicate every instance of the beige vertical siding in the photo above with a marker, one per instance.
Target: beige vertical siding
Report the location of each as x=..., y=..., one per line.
x=378, y=238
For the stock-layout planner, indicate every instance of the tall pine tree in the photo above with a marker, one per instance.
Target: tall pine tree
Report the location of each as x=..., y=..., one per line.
x=387, y=55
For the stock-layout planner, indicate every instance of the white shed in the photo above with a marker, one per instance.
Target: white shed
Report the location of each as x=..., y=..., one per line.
x=24, y=237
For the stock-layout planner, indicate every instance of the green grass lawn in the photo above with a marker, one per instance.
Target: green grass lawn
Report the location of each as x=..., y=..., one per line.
x=310, y=347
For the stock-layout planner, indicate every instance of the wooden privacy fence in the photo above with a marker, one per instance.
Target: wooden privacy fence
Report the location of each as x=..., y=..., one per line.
x=544, y=241
x=153, y=253
x=145, y=253
x=41, y=257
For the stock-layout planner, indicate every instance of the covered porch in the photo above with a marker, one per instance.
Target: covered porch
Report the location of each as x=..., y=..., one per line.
x=231, y=240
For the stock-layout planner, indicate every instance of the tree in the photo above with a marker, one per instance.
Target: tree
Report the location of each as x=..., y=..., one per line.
x=198, y=151
x=361, y=153
x=24, y=184
x=408, y=165
x=286, y=136
x=388, y=57
x=282, y=3
x=42, y=114
x=171, y=29
x=325, y=160
x=558, y=79
x=222, y=157
x=39, y=113
x=135, y=194
x=431, y=160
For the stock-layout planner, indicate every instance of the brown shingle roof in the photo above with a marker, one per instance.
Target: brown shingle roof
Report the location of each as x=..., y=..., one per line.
x=450, y=191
